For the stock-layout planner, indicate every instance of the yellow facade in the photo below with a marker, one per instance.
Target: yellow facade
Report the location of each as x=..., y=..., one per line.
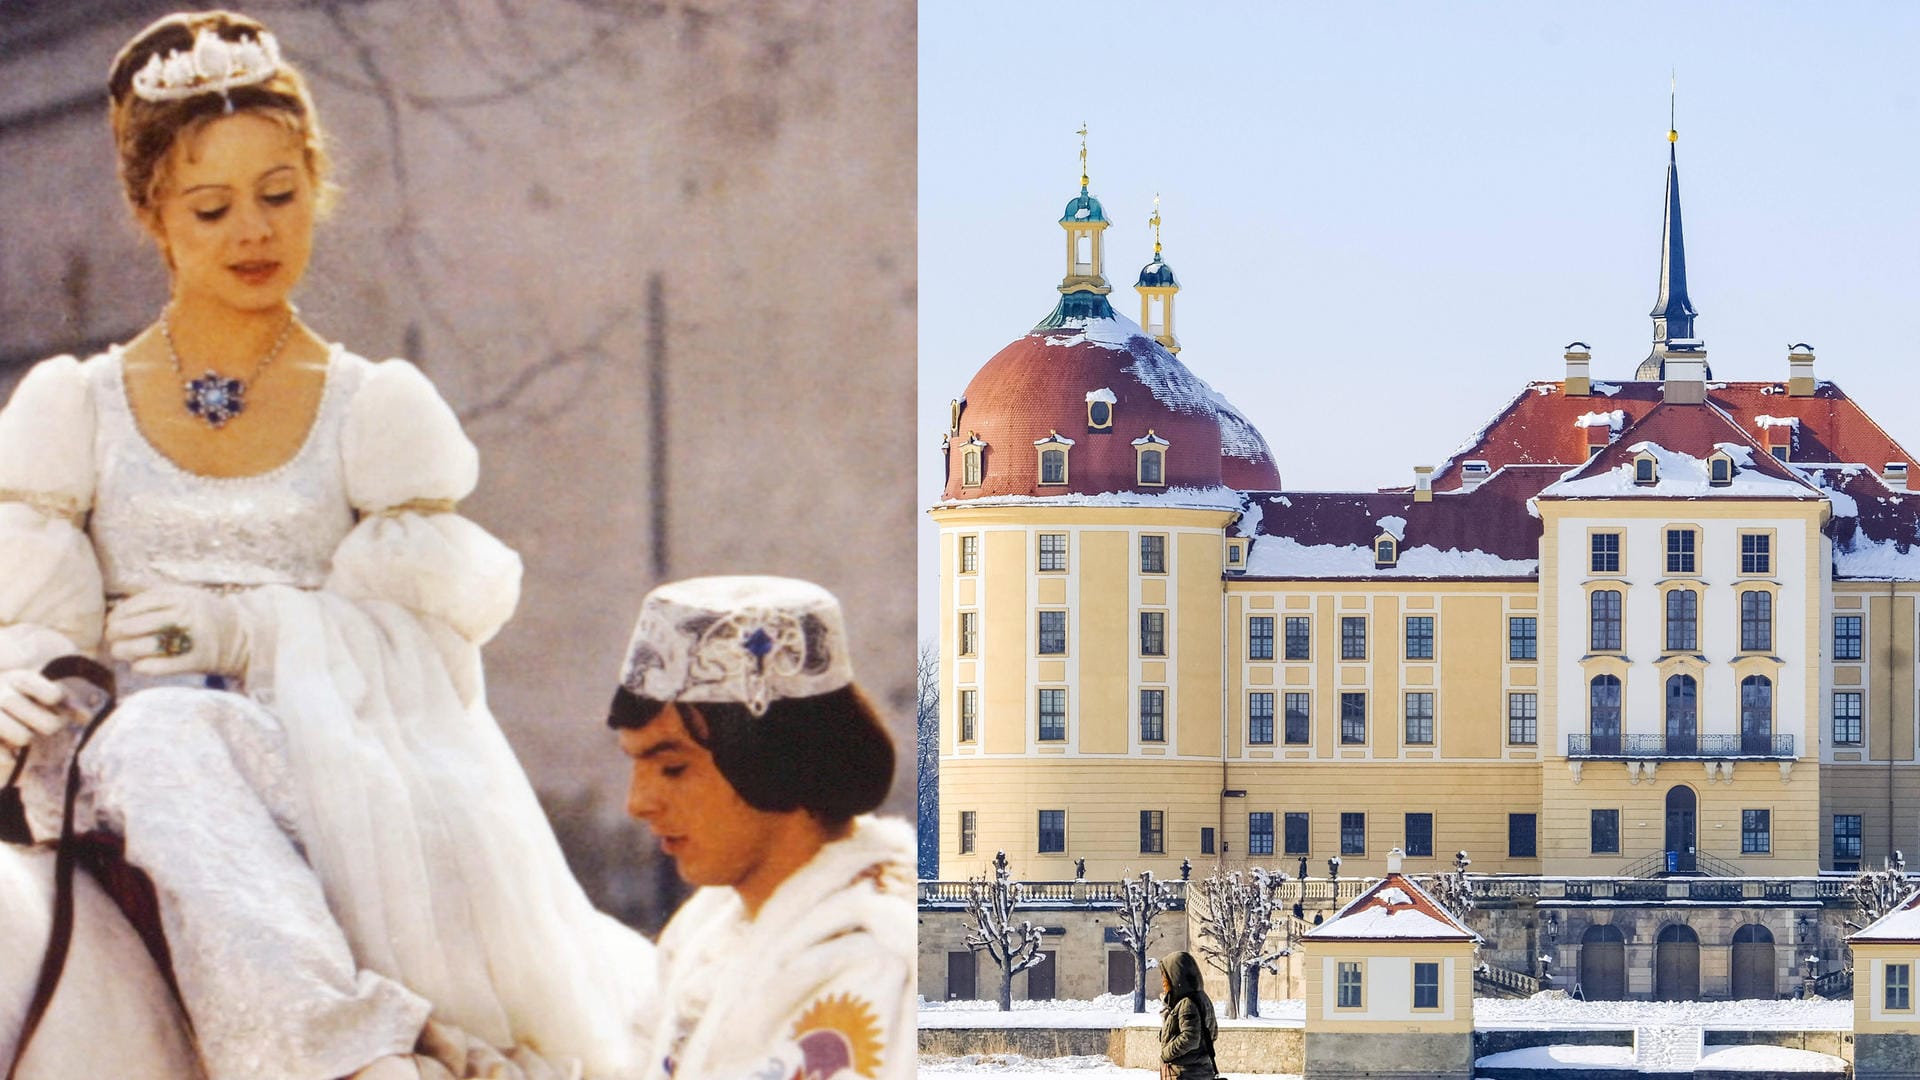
x=1386, y=970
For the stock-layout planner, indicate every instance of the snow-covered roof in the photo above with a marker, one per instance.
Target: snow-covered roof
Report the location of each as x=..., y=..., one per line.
x=1680, y=475
x=1187, y=498
x=1899, y=926
x=1394, y=908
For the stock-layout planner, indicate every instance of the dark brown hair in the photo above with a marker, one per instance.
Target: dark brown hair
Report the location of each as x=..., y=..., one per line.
x=828, y=754
x=145, y=132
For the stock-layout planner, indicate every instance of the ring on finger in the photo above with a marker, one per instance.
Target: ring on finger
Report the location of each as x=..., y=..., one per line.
x=173, y=640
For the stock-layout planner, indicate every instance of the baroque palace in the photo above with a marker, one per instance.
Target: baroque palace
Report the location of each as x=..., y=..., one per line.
x=1644, y=627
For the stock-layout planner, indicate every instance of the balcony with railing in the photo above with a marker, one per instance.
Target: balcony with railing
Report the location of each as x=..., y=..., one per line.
x=1656, y=747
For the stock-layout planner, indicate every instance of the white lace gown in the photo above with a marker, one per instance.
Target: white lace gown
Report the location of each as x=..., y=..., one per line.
x=343, y=840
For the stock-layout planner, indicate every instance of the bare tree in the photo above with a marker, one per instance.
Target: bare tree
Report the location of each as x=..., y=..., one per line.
x=991, y=903
x=1454, y=890
x=1876, y=892
x=1236, y=916
x=1141, y=902
x=927, y=746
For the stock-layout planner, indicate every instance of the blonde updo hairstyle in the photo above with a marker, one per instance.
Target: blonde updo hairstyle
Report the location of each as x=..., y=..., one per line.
x=146, y=132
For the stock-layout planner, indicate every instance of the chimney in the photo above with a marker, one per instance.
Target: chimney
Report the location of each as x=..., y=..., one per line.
x=1423, y=483
x=1800, y=382
x=1473, y=474
x=1895, y=475
x=1394, y=857
x=1686, y=382
x=1578, y=385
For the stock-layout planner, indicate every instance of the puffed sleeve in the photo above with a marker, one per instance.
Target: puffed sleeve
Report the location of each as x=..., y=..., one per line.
x=51, y=597
x=407, y=465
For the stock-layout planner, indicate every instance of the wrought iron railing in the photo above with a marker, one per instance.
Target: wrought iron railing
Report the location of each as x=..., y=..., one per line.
x=1645, y=747
x=1088, y=894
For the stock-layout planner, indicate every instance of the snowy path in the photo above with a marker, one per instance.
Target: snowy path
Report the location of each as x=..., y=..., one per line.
x=1015, y=1067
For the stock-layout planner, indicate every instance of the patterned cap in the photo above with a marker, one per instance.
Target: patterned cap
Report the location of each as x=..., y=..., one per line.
x=747, y=640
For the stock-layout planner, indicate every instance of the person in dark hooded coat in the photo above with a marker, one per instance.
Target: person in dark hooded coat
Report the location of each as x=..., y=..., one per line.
x=1187, y=1027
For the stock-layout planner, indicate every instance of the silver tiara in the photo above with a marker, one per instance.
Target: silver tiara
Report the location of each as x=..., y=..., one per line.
x=214, y=65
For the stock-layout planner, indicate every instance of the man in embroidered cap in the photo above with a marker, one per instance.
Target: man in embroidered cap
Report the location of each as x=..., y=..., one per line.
x=756, y=760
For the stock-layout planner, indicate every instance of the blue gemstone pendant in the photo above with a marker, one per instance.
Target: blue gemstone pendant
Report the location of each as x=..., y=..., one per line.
x=215, y=398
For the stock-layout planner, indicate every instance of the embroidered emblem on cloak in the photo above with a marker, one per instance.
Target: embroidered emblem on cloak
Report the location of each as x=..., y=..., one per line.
x=838, y=1034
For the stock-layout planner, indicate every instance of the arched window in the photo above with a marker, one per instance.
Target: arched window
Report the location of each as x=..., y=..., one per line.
x=1720, y=470
x=1683, y=712
x=1603, y=697
x=1604, y=624
x=1644, y=472
x=1053, y=466
x=1683, y=620
x=1756, y=715
x=1153, y=467
x=970, y=468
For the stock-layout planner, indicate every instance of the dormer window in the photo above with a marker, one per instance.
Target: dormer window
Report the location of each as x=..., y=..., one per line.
x=1473, y=474
x=1236, y=554
x=972, y=462
x=1720, y=469
x=1053, y=457
x=1150, y=454
x=1386, y=551
x=1646, y=471
x=1100, y=411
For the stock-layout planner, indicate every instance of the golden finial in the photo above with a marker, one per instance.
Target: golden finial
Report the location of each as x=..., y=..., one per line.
x=1083, y=156
x=1155, y=222
x=1673, y=91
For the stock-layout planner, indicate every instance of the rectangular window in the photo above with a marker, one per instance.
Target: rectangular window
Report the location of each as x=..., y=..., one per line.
x=1420, y=718
x=1053, y=633
x=1420, y=836
x=1353, y=638
x=1260, y=718
x=1520, y=836
x=1296, y=833
x=1053, y=715
x=1206, y=840
x=1603, y=633
x=1679, y=551
x=1606, y=553
x=1299, y=635
x=1846, y=718
x=1846, y=637
x=969, y=554
x=1846, y=841
x=1153, y=554
x=1153, y=716
x=1353, y=719
x=1260, y=637
x=1260, y=833
x=1683, y=620
x=969, y=714
x=1756, y=620
x=1523, y=638
x=1299, y=719
x=969, y=820
x=1053, y=551
x=1899, y=996
x=1350, y=996
x=1053, y=831
x=969, y=633
x=1426, y=984
x=1153, y=633
x=1756, y=832
x=1756, y=553
x=1419, y=637
x=1523, y=719
x=1604, y=832
x=1353, y=834
x=1153, y=832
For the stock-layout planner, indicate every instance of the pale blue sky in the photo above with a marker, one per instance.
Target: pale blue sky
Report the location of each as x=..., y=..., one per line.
x=1386, y=218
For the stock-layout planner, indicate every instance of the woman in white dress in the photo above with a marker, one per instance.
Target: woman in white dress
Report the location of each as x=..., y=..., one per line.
x=258, y=528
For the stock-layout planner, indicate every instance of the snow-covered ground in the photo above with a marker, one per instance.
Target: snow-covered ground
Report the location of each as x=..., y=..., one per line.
x=1105, y=1011
x=1015, y=1067
x=1794, y=1013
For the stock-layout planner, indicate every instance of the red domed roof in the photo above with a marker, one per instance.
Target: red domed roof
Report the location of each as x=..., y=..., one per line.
x=1042, y=385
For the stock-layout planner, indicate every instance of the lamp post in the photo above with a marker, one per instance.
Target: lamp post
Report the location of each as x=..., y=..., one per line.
x=1549, y=933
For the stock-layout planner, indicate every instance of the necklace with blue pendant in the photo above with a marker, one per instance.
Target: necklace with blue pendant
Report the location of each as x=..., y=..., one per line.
x=213, y=397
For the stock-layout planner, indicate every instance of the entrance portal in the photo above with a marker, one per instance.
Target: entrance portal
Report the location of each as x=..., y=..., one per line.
x=1753, y=968
x=1680, y=834
x=1603, y=964
x=1676, y=964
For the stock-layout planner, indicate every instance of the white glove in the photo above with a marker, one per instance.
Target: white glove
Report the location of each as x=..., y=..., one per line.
x=28, y=702
x=146, y=630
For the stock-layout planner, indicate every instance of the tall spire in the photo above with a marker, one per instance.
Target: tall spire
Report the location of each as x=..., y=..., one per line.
x=1156, y=287
x=1084, y=288
x=1673, y=312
